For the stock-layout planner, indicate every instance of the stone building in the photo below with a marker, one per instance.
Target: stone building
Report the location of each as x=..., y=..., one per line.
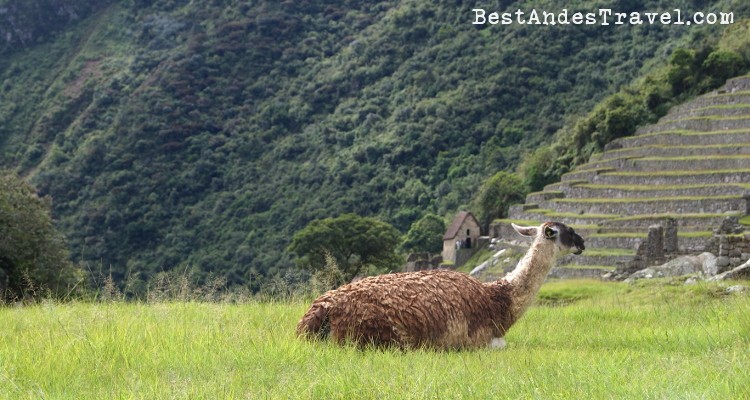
x=461, y=239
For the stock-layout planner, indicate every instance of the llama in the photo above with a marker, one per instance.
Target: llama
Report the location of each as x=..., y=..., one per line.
x=439, y=309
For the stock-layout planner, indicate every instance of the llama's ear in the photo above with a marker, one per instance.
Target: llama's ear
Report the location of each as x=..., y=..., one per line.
x=525, y=230
x=550, y=232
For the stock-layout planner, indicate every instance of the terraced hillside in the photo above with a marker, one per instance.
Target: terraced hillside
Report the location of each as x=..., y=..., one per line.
x=693, y=166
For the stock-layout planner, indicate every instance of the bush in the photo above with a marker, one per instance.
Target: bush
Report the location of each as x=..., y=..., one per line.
x=33, y=255
x=425, y=235
x=496, y=195
x=721, y=65
x=537, y=168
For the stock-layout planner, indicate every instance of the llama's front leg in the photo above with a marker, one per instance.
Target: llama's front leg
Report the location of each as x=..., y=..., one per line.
x=498, y=343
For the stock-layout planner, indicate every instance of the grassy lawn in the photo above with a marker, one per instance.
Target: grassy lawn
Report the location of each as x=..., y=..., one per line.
x=584, y=339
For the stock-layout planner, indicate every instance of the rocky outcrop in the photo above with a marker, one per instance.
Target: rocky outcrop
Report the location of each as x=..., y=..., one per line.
x=704, y=264
x=696, y=268
x=741, y=272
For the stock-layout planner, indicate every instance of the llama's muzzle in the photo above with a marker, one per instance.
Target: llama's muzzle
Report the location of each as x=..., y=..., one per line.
x=578, y=242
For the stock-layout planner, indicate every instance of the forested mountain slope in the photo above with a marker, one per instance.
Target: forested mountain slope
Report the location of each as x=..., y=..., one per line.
x=203, y=134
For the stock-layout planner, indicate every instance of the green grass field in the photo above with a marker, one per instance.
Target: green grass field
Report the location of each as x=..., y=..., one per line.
x=582, y=340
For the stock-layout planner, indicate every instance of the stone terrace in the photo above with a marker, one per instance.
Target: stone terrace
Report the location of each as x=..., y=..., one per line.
x=692, y=166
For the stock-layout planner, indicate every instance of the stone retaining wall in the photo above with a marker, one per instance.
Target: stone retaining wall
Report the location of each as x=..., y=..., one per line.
x=673, y=164
x=610, y=242
x=681, y=151
x=581, y=175
x=570, y=220
x=642, y=224
x=698, y=124
x=422, y=261
x=731, y=250
x=683, y=140
x=715, y=99
x=536, y=198
x=704, y=112
x=687, y=179
x=584, y=259
x=656, y=206
x=583, y=192
x=576, y=273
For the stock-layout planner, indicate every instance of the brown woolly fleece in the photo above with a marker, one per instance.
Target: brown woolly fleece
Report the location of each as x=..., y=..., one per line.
x=438, y=308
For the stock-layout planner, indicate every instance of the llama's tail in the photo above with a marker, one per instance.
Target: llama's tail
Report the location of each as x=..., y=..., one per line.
x=315, y=323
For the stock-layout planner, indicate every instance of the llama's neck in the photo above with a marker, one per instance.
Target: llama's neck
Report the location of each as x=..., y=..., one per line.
x=530, y=274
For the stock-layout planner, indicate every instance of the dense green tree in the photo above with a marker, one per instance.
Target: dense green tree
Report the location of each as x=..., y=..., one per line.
x=496, y=195
x=696, y=71
x=425, y=235
x=356, y=243
x=537, y=168
x=721, y=65
x=33, y=257
x=681, y=73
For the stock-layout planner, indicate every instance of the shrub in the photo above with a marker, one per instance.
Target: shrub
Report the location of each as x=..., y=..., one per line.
x=425, y=235
x=496, y=195
x=33, y=254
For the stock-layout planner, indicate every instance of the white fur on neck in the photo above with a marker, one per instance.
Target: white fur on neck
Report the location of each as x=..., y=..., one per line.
x=530, y=274
x=498, y=343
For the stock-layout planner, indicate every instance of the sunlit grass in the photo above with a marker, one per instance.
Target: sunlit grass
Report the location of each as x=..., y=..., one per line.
x=610, y=252
x=585, y=339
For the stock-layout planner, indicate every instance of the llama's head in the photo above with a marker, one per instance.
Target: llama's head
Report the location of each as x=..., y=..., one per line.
x=565, y=239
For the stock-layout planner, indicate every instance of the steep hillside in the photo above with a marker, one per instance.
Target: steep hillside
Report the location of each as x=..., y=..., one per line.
x=176, y=134
x=23, y=24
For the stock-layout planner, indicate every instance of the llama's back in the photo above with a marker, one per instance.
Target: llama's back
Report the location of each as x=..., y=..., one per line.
x=436, y=308
x=315, y=321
